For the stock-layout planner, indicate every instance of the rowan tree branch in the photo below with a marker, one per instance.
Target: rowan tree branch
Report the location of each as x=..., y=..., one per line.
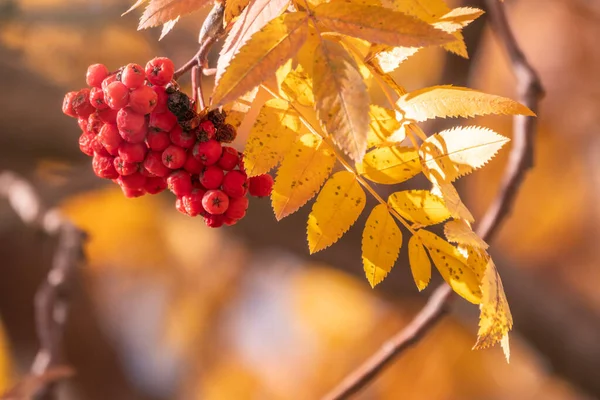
x=51, y=299
x=521, y=159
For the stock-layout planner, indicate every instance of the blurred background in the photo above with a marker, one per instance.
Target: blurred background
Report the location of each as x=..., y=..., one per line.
x=167, y=308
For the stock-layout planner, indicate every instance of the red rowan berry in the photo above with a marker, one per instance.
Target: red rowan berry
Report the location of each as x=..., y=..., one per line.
x=162, y=122
x=181, y=138
x=83, y=123
x=229, y=158
x=108, y=80
x=192, y=165
x=142, y=100
x=99, y=148
x=214, y=221
x=95, y=74
x=215, y=202
x=193, y=202
x=132, y=152
x=174, y=157
x=133, y=76
x=154, y=164
x=130, y=121
x=208, y=128
x=157, y=140
x=110, y=138
x=155, y=185
x=179, y=206
x=116, y=95
x=229, y=221
x=85, y=143
x=160, y=71
x=180, y=183
x=81, y=103
x=237, y=208
x=94, y=124
x=104, y=167
x=212, y=177
x=261, y=185
x=132, y=181
x=125, y=168
x=132, y=193
x=161, y=99
x=207, y=152
x=108, y=115
x=235, y=184
x=97, y=98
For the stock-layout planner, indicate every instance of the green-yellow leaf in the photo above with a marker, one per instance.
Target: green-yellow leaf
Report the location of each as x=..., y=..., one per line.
x=382, y=124
x=341, y=98
x=460, y=231
x=420, y=265
x=452, y=153
x=301, y=173
x=381, y=242
x=452, y=266
x=495, y=319
x=158, y=12
x=453, y=101
x=390, y=165
x=298, y=86
x=271, y=137
x=261, y=55
x=419, y=206
x=378, y=25
x=336, y=209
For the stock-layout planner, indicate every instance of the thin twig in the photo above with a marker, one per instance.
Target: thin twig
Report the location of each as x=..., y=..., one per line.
x=51, y=299
x=521, y=159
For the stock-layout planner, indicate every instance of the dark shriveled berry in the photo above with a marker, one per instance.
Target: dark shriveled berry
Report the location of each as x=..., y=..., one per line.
x=217, y=117
x=226, y=133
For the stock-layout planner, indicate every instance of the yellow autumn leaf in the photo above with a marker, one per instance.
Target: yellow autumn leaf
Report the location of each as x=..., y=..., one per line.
x=158, y=12
x=301, y=174
x=452, y=266
x=452, y=153
x=420, y=265
x=419, y=206
x=271, y=137
x=341, y=98
x=452, y=201
x=298, y=86
x=233, y=9
x=460, y=231
x=336, y=209
x=261, y=55
x=389, y=58
x=390, y=165
x=382, y=125
x=381, y=243
x=378, y=25
x=453, y=101
x=495, y=319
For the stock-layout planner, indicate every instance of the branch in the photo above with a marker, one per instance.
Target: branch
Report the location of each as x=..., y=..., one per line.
x=51, y=299
x=521, y=159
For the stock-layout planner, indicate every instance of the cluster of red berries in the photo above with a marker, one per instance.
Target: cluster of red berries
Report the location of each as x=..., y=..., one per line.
x=145, y=135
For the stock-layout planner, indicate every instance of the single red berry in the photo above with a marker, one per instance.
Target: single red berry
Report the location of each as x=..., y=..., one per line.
x=133, y=181
x=230, y=221
x=108, y=115
x=133, y=76
x=180, y=183
x=67, y=107
x=99, y=148
x=110, y=138
x=142, y=100
x=215, y=202
x=235, y=184
x=161, y=99
x=85, y=143
x=147, y=173
x=104, y=167
x=129, y=120
x=181, y=138
x=155, y=185
x=192, y=165
x=157, y=140
x=261, y=186
x=193, y=202
x=160, y=71
x=153, y=164
x=94, y=124
x=208, y=128
x=83, y=123
x=214, y=221
x=125, y=168
x=197, y=185
x=162, y=121
x=207, y=152
x=132, y=152
x=179, y=206
x=96, y=73
x=135, y=136
x=116, y=95
x=174, y=157
x=81, y=103
x=237, y=207
x=97, y=98
x=229, y=158
x=241, y=163
x=212, y=177
x=108, y=80
x=132, y=193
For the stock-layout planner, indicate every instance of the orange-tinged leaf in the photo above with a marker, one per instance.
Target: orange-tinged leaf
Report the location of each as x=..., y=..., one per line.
x=452, y=153
x=341, y=98
x=158, y=12
x=168, y=27
x=298, y=86
x=495, y=319
x=252, y=19
x=452, y=201
x=419, y=206
x=458, y=18
x=420, y=265
x=301, y=174
x=454, y=101
x=259, y=58
x=381, y=243
x=233, y=9
x=378, y=25
x=134, y=6
x=460, y=231
x=336, y=209
x=452, y=266
x=383, y=124
x=389, y=59
x=390, y=165
x=271, y=137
